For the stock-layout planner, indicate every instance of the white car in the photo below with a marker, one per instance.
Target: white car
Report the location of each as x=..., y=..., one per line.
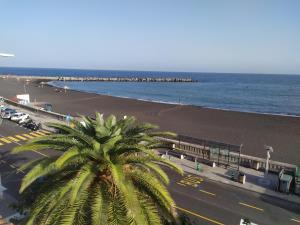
x=19, y=116
x=24, y=120
x=8, y=113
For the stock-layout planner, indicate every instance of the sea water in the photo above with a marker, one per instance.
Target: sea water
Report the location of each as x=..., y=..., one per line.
x=258, y=93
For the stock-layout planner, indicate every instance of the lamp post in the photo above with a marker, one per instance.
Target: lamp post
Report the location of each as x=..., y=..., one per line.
x=269, y=150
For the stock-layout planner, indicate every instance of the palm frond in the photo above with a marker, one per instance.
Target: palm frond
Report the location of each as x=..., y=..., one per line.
x=107, y=174
x=159, y=172
x=45, y=167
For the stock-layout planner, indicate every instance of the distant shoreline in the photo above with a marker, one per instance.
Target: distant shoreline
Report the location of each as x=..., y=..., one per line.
x=50, y=79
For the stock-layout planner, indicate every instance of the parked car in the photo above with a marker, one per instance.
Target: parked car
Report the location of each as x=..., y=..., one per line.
x=24, y=120
x=6, y=109
x=7, y=113
x=19, y=116
x=2, y=107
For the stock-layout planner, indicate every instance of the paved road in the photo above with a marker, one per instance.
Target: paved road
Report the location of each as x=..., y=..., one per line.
x=227, y=204
x=204, y=201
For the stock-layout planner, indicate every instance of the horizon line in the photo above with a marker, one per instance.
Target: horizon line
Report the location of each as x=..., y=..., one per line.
x=159, y=71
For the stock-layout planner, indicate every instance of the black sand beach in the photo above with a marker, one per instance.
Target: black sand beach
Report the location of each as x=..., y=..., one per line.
x=252, y=130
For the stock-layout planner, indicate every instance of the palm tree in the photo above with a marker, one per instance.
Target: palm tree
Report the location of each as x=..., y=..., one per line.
x=107, y=173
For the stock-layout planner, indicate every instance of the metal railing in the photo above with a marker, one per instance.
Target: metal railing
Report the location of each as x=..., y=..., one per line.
x=204, y=153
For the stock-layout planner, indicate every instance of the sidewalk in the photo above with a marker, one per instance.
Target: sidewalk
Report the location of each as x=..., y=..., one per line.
x=255, y=180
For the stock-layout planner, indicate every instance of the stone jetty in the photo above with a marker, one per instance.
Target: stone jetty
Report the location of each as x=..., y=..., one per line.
x=127, y=79
x=103, y=79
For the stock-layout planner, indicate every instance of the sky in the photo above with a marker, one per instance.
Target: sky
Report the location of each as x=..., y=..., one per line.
x=249, y=36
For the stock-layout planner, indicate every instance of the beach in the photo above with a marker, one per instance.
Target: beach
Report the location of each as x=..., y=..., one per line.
x=250, y=129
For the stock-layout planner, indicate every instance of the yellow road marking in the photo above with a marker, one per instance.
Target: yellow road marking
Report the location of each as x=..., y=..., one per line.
x=13, y=139
x=297, y=221
x=251, y=206
x=1, y=143
x=40, y=133
x=194, y=179
x=20, y=137
x=206, y=192
x=191, y=181
x=5, y=140
x=35, y=135
x=200, y=216
x=28, y=136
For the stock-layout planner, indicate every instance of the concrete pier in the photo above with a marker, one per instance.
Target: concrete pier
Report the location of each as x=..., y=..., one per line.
x=104, y=79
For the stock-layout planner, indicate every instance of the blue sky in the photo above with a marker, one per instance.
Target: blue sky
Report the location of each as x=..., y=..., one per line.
x=189, y=35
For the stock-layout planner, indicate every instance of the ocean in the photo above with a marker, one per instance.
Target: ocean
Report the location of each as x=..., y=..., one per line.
x=257, y=93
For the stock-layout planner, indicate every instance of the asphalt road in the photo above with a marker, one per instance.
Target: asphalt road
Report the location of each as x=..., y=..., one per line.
x=202, y=200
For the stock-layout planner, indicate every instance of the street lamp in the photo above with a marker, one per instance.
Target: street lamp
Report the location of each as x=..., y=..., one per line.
x=269, y=150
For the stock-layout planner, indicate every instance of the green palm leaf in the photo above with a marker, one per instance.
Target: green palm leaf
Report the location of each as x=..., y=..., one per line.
x=107, y=173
